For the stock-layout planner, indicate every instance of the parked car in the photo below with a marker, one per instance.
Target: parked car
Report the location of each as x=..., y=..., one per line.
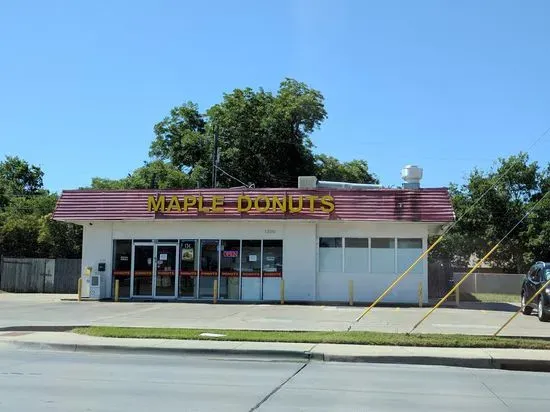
x=537, y=276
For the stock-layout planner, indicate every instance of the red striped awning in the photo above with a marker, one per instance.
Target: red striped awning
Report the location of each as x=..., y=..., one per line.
x=421, y=205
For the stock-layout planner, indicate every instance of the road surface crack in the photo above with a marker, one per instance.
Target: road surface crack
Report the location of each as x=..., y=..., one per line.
x=274, y=391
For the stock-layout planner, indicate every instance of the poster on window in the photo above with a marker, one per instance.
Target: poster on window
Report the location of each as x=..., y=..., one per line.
x=188, y=252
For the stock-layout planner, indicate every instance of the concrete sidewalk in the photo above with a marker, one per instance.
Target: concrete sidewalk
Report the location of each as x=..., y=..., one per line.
x=516, y=359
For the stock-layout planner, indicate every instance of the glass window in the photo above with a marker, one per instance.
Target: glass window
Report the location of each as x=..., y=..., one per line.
x=273, y=258
x=251, y=281
x=330, y=254
x=272, y=265
x=143, y=270
x=547, y=274
x=209, y=260
x=230, y=258
x=536, y=275
x=383, y=255
x=408, y=250
x=122, y=265
x=356, y=255
x=250, y=258
x=188, y=268
x=409, y=243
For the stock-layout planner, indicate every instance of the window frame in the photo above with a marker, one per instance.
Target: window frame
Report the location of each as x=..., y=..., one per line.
x=368, y=254
x=329, y=247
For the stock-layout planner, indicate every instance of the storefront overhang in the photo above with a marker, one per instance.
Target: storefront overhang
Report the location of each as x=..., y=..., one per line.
x=396, y=205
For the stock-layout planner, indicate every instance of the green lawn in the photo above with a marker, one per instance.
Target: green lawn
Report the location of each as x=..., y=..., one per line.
x=490, y=297
x=359, y=338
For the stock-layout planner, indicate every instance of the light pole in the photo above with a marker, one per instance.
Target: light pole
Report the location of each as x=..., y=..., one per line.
x=215, y=159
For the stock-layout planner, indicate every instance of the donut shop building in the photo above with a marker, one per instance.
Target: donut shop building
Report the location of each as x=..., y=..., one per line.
x=240, y=243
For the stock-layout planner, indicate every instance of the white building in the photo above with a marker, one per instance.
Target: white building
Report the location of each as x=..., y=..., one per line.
x=185, y=244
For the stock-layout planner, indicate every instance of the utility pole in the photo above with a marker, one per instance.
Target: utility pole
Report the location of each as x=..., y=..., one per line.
x=215, y=159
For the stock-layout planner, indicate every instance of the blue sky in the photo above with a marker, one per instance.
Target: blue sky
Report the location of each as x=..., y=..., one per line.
x=448, y=85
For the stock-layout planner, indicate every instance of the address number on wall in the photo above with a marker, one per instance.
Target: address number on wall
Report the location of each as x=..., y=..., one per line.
x=270, y=231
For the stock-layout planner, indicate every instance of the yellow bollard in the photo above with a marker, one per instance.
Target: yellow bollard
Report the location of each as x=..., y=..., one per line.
x=420, y=294
x=79, y=289
x=350, y=292
x=215, y=292
x=282, y=291
x=117, y=289
x=457, y=296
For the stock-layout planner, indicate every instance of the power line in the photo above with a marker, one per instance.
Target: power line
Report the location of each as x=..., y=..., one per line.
x=455, y=287
x=442, y=236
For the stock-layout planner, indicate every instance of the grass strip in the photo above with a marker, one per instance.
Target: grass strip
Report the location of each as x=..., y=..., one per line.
x=352, y=337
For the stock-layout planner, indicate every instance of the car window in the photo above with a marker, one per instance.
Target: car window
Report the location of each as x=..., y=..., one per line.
x=546, y=275
x=535, y=275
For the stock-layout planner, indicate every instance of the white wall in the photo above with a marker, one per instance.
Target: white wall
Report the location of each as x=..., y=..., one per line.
x=299, y=261
x=303, y=281
x=333, y=286
x=98, y=248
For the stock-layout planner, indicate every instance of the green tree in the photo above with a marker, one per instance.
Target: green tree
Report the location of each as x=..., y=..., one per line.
x=491, y=204
x=354, y=171
x=17, y=177
x=26, y=227
x=155, y=174
x=19, y=236
x=59, y=239
x=263, y=138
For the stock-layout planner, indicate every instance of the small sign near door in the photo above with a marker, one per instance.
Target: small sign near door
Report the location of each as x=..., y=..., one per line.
x=163, y=256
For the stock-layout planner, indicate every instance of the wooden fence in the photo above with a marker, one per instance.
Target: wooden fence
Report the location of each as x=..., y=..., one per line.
x=30, y=275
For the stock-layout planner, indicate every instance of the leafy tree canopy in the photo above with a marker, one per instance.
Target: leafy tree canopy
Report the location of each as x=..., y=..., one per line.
x=264, y=139
x=491, y=203
x=26, y=227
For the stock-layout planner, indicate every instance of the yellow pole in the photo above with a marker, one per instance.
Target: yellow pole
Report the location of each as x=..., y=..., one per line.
x=538, y=292
x=117, y=289
x=396, y=281
x=420, y=294
x=79, y=289
x=282, y=291
x=455, y=288
x=350, y=291
x=215, y=292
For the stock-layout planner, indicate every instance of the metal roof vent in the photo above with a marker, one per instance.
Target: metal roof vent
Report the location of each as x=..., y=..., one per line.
x=307, y=182
x=412, y=176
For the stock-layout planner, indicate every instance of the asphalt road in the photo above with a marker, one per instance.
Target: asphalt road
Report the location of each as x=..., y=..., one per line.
x=61, y=381
x=44, y=310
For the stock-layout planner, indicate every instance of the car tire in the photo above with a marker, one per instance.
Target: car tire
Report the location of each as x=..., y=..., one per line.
x=543, y=317
x=526, y=310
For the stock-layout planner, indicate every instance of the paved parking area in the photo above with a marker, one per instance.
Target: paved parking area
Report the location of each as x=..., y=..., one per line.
x=52, y=310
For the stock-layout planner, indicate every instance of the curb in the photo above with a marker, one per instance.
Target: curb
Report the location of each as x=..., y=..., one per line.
x=529, y=365
x=41, y=328
x=148, y=350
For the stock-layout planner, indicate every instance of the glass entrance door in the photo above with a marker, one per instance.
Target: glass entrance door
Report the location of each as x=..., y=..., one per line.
x=142, y=270
x=209, y=267
x=165, y=274
x=154, y=269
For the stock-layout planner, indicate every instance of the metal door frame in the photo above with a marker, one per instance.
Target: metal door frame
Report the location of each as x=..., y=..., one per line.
x=154, y=244
x=176, y=270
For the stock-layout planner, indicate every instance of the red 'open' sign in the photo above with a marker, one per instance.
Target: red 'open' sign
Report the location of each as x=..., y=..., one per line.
x=231, y=253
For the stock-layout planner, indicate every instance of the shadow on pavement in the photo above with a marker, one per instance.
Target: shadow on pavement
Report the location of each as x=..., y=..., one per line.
x=496, y=306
